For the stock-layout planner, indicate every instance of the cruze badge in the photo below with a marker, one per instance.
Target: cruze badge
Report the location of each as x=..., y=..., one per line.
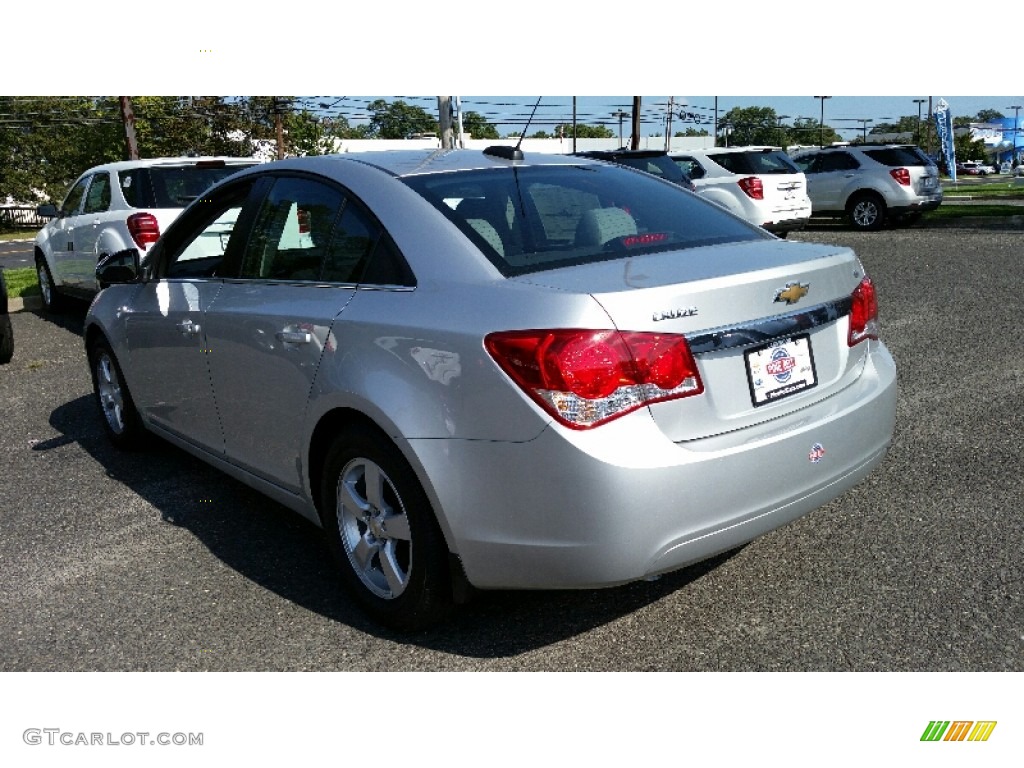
x=792, y=293
x=675, y=314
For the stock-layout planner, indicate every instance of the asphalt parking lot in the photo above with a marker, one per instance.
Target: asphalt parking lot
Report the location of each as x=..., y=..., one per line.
x=153, y=561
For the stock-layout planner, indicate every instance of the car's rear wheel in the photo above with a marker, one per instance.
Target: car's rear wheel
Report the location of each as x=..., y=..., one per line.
x=382, y=531
x=53, y=301
x=866, y=211
x=120, y=417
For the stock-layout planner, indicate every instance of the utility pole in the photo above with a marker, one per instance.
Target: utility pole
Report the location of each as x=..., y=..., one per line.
x=919, y=102
x=131, y=144
x=444, y=113
x=279, y=107
x=821, y=123
x=634, y=143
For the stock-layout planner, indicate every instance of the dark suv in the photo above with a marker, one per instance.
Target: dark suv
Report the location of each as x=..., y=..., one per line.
x=652, y=161
x=870, y=184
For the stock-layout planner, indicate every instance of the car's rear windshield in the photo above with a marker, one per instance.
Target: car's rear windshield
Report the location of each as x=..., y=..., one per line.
x=533, y=218
x=756, y=162
x=897, y=156
x=171, y=186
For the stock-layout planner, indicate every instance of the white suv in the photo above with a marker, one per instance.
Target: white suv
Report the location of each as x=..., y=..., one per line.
x=116, y=206
x=872, y=183
x=759, y=184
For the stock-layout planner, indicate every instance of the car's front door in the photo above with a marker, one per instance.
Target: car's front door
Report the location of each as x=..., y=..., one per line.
x=166, y=333
x=61, y=232
x=81, y=267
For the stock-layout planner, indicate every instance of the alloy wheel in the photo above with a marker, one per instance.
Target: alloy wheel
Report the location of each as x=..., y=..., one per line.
x=374, y=528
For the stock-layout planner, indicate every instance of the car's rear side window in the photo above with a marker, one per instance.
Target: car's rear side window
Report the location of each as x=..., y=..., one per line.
x=895, y=156
x=759, y=162
x=532, y=218
x=170, y=186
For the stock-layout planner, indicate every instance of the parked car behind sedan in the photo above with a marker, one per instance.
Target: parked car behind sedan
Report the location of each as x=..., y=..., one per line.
x=112, y=207
x=479, y=369
x=759, y=184
x=653, y=161
x=870, y=185
x=6, y=330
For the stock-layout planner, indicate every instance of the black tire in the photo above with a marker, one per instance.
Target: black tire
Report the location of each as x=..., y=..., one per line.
x=6, y=339
x=53, y=301
x=121, y=419
x=383, y=534
x=866, y=211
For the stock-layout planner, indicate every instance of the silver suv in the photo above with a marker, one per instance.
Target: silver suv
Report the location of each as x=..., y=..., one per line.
x=871, y=184
x=759, y=184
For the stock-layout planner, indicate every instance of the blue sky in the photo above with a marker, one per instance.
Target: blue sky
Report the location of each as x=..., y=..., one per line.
x=843, y=113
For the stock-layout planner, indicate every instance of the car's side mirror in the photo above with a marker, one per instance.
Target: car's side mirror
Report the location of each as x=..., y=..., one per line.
x=49, y=210
x=118, y=268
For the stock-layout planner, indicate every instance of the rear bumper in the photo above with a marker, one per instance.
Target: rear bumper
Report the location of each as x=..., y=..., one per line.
x=622, y=502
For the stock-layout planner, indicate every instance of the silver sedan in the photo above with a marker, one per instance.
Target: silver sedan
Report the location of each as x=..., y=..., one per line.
x=478, y=369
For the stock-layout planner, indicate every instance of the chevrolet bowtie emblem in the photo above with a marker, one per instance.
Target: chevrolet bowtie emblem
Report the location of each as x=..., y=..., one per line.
x=792, y=293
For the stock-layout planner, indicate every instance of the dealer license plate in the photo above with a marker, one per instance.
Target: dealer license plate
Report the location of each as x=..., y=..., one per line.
x=780, y=369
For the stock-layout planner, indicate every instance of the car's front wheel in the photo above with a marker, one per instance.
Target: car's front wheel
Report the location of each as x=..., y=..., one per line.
x=866, y=211
x=53, y=301
x=382, y=531
x=120, y=417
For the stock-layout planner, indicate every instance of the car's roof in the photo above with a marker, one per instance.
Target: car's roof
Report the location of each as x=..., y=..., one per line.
x=127, y=165
x=412, y=162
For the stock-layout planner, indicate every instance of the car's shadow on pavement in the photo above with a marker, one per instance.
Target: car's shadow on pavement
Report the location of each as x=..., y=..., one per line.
x=282, y=552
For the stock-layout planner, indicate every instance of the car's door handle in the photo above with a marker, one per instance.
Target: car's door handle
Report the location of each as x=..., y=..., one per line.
x=295, y=337
x=188, y=328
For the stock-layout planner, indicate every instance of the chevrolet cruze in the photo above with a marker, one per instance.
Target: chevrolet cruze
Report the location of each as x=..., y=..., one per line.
x=489, y=370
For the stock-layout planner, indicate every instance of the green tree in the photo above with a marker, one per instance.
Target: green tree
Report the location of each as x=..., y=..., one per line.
x=751, y=126
x=692, y=132
x=399, y=120
x=989, y=115
x=966, y=149
x=474, y=124
x=584, y=131
x=808, y=131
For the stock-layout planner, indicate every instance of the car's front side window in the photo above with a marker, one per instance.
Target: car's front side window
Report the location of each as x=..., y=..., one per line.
x=198, y=243
x=73, y=199
x=98, y=198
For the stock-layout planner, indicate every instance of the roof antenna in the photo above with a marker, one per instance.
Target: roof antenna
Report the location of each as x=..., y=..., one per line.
x=513, y=153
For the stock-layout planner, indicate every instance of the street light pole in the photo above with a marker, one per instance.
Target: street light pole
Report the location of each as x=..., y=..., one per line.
x=620, y=114
x=919, y=102
x=821, y=123
x=782, y=136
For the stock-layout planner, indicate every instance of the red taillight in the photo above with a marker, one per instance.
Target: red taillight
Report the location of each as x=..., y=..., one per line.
x=144, y=229
x=863, y=313
x=902, y=176
x=585, y=378
x=753, y=187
